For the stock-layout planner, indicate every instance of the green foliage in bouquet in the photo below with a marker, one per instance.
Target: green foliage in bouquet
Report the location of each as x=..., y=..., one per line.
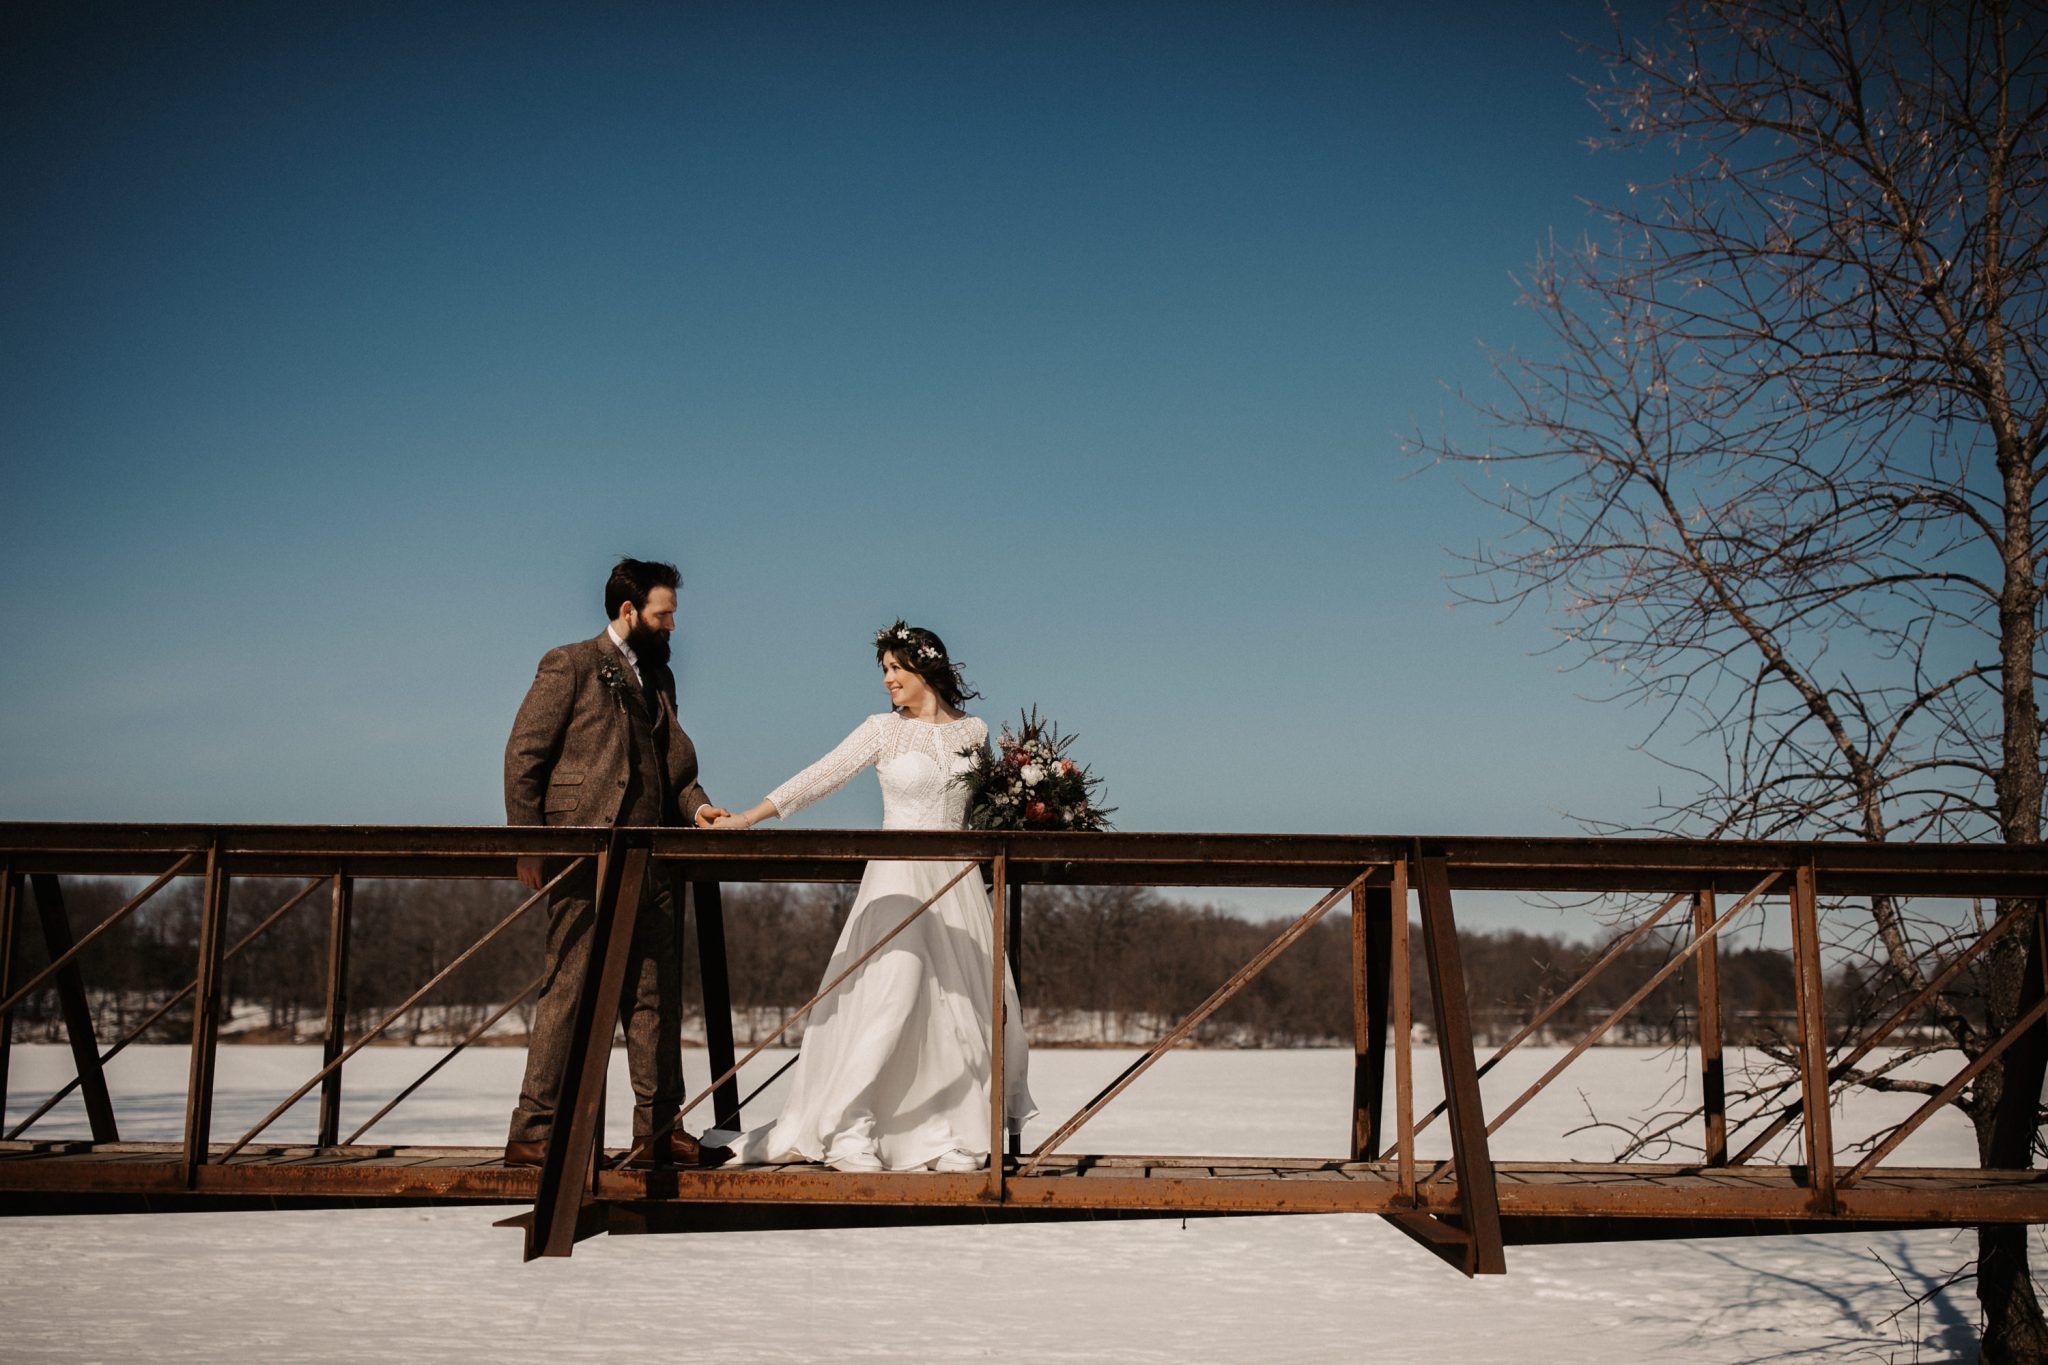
x=1028, y=782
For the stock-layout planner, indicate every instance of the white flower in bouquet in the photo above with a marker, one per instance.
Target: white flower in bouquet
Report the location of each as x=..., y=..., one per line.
x=1032, y=774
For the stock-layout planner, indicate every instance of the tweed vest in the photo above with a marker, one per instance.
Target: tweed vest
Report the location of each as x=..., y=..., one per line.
x=648, y=800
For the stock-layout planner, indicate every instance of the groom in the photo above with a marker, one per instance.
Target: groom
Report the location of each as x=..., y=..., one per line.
x=597, y=742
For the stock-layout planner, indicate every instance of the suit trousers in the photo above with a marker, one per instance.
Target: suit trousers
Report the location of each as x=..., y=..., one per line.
x=650, y=1007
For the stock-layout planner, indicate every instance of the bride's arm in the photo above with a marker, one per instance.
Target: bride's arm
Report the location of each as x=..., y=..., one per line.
x=857, y=751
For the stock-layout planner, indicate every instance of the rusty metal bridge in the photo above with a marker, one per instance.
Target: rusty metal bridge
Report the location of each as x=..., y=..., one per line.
x=1454, y=1197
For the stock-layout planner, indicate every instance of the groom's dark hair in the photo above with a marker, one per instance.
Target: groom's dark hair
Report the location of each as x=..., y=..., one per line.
x=633, y=579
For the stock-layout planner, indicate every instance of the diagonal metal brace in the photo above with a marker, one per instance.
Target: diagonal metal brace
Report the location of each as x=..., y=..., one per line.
x=566, y=1171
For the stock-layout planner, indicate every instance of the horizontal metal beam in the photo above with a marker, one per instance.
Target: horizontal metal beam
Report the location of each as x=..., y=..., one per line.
x=1114, y=857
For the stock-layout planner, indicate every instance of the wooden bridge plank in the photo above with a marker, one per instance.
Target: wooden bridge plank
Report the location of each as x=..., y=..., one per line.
x=1953, y=1197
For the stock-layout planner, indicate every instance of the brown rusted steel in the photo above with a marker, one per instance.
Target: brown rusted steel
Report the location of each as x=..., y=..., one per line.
x=1116, y=857
x=334, y=1022
x=1222, y=995
x=532, y=987
x=800, y=1011
x=1478, y=1195
x=77, y=1010
x=1642, y=993
x=999, y=966
x=10, y=898
x=1015, y=911
x=1947, y=1093
x=577, y=1125
x=714, y=983
x=206, y=1002
x=1016, y=939
x=1403, y=1003
x=1586, y=978
x=1884, y=1030
x=159, y=1012
x=1817, y=1119
x=1713, y=1079
x=1646, y=1199
x=61, y=960
x=1364, y=1048
x=388, y=1020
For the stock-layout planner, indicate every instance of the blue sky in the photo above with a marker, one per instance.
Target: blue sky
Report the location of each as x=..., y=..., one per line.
x=347, y=345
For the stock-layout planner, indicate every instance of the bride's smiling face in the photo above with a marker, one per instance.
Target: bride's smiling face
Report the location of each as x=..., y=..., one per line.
x=907, y=691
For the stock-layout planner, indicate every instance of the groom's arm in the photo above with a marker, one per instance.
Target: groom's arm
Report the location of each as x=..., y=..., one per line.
x=537, y=738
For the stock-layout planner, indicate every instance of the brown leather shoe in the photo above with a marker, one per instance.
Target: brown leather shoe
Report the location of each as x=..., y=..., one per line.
x=657, y=1151
x=678, y=1148
x=526, y=1153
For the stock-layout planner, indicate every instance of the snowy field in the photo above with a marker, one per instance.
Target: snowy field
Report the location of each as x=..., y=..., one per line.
x=444, y=1285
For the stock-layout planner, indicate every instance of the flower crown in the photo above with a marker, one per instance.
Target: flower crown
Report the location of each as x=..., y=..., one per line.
x=902, y=635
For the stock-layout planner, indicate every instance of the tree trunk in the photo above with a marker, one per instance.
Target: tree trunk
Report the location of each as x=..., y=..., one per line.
x=2009, y=1104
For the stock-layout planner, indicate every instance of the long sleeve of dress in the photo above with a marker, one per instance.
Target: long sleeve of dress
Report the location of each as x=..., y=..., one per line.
x=857, y=751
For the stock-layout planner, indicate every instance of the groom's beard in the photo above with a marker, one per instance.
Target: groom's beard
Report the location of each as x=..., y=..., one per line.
x=649, y=646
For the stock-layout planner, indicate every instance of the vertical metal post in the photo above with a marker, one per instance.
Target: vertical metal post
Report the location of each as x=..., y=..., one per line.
x=1016, y=979
x=714, y=982
x=1371, y=916
x=998, y=1129
x=1477, y=1192
x=334, y=1036
x=213, y=924
x=1017, y=936
x=1713, y=1080
x=10, y=902
x=1403, y=1001
x=1818, y=1118
x=70, y=984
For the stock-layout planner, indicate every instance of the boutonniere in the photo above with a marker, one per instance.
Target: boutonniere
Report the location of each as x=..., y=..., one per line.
x=609, y=674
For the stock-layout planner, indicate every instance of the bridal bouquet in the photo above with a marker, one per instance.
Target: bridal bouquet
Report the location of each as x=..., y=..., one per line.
x=1028, y=782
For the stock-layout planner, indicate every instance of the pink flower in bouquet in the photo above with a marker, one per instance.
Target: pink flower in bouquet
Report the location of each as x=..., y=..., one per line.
x=1067, y=766
x=1035, y=811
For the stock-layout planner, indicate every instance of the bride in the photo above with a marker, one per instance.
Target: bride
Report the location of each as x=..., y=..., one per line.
x=893, y=1074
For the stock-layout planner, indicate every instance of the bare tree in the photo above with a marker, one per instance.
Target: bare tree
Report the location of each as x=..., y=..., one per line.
x=1779, y=468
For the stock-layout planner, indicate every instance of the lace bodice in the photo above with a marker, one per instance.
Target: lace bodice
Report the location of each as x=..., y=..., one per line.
x=915, y=760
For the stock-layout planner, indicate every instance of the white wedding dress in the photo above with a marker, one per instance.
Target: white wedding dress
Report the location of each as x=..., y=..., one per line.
x=895, y=1061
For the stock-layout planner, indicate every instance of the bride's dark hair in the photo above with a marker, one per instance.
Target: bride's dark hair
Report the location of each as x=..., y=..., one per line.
x=924, y=654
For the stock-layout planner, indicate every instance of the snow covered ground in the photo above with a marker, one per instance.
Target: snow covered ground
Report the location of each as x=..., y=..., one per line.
x=444, y=1285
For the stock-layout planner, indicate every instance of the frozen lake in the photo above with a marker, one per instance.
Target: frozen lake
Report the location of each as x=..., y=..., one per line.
x=442, y=1284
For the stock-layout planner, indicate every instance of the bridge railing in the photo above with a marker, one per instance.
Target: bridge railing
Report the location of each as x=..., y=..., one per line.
x=1391, y=886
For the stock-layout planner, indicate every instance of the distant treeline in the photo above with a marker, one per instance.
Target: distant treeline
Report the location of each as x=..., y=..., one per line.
x=1109, y=965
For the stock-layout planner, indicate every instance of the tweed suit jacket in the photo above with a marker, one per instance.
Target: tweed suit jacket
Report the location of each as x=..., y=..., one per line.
x=570, y=752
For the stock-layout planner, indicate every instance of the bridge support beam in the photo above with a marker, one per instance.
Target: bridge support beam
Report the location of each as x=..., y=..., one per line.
x=78, y=1030
x=206, y=992
x=714, y=983
x=1473, y=1242
x=334, y=1033
x=1372, y=939
x=560, y=1218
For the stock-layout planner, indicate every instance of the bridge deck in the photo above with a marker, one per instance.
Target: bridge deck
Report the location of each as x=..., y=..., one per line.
x=61, y=1176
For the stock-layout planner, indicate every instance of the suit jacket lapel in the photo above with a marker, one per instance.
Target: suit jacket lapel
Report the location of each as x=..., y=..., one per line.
x=611, y=651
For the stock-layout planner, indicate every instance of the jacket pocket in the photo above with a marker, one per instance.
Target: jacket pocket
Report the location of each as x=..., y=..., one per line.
x=565, y=792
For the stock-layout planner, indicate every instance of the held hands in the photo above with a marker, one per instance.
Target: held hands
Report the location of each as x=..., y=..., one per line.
x=530, y=875
x=717, y=817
